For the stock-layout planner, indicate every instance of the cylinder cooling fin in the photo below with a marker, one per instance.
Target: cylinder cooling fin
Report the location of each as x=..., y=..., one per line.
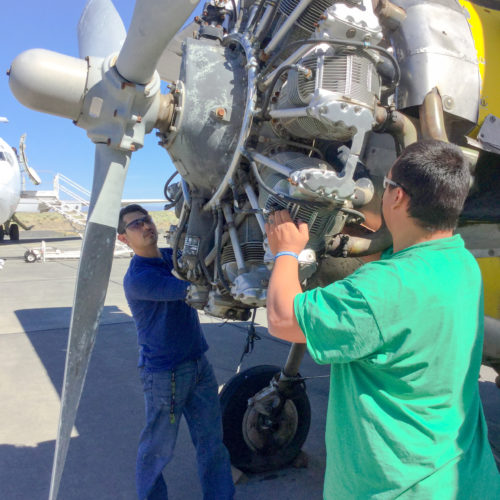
x=352, y=79
x=321, y=218
x=348, y=75
x=310, y=17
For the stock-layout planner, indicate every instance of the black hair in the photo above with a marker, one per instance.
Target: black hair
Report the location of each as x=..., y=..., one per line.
x=127, y=210
x=436, y=176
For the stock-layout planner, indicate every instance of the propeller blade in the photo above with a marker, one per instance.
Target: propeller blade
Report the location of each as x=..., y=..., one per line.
x=169, y=65
x=100, y=29
x=154, y=24
x=110, y=170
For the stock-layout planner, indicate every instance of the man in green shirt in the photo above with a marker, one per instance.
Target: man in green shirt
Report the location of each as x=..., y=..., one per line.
x=404, y=339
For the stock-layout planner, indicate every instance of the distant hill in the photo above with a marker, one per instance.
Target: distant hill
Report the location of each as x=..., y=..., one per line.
x=52, y=221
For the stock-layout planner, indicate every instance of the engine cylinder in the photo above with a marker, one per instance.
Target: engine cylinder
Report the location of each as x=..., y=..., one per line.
x=349, y=78
x=321, y=219
x=308, y=19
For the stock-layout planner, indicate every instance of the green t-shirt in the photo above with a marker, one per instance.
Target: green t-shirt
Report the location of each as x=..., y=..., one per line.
x=404, y=339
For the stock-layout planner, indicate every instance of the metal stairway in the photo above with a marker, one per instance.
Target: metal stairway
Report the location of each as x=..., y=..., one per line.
x=76, y=199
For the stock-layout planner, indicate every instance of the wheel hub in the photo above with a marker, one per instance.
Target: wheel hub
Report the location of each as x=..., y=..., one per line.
x=265, y=434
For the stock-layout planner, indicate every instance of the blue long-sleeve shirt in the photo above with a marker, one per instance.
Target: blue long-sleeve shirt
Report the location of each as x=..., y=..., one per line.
x=168, y=330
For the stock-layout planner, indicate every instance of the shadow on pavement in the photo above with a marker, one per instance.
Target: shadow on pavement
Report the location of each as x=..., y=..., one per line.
x=101, y=459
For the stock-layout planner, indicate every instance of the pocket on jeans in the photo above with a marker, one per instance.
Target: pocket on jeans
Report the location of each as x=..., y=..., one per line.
x=161, y=387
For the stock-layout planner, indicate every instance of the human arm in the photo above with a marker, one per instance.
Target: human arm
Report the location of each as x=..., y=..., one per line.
x=155, y=284
x=284, y=235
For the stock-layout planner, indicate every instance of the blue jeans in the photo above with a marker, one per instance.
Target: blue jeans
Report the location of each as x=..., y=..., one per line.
x=191, y=391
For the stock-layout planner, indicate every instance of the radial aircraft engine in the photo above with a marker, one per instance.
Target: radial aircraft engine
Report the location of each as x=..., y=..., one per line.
x=296, y=104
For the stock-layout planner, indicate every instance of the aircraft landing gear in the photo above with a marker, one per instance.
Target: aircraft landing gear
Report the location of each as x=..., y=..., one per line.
x=11, y=229
x=14, y=232
x=265, y=418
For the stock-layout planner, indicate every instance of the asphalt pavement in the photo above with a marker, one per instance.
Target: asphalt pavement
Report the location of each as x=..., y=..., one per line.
x=35, y=305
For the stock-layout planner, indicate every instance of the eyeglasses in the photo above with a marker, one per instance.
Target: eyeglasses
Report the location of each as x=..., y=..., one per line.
x=139, y=223
x=390, y=182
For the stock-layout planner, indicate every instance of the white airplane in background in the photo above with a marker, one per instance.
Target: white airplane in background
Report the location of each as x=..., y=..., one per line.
x=10, y=186
x=12, y=165
x=10, y=190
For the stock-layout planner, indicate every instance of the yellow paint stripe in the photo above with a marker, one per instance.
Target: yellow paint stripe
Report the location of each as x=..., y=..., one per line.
x=485, y=28
x=490, y=270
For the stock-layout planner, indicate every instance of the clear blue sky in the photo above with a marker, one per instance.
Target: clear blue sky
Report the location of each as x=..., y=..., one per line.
x=54, y=144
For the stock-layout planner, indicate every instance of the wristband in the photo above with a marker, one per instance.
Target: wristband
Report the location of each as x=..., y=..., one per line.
x=292, y=254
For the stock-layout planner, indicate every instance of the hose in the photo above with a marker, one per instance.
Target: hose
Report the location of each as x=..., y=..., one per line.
x=267, y=98
x=175, y=244
x=165, y=189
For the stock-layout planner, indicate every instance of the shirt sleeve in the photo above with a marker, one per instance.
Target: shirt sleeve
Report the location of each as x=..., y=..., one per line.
x=338, y=323
x=155, y=285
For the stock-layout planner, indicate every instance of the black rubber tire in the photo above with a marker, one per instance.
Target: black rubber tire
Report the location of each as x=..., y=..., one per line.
x=14, y=232
x=29, y=256
x=234, y=402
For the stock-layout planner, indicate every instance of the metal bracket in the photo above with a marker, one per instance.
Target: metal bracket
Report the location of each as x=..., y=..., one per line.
x=489, y=134
x=115, y=111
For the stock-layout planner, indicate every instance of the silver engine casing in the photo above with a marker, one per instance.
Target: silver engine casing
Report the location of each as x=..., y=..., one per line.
x=435, y=42
x=320, y=123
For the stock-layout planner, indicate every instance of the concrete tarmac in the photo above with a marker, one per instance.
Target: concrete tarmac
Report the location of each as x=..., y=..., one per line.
x=35, y=304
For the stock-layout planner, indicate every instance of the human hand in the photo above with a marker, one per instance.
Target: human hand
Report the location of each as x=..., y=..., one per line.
x=283, y=235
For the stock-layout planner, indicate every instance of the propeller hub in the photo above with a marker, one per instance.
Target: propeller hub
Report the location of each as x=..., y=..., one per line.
x=115, y=111
x=49, y=82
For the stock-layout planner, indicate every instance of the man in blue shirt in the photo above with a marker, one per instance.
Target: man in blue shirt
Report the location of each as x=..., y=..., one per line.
x=177, y=378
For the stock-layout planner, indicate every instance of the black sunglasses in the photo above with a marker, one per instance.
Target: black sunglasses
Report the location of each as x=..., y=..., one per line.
x=139, y=223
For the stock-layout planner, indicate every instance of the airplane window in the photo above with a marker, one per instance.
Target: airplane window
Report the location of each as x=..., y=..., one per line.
x=6, y=157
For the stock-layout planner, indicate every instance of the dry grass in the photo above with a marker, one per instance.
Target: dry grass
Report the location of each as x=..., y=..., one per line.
x=52, y=221
x=164, y=219
x=47, y=221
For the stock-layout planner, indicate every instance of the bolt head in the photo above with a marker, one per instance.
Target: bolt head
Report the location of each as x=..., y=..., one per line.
x=448, y=102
